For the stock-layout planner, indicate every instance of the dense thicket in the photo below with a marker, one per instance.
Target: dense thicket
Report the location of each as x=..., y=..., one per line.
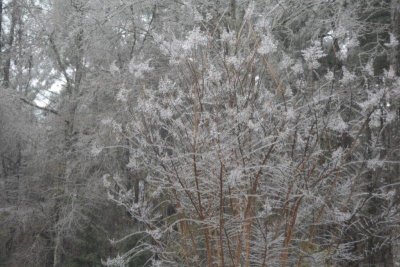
x=199, y=133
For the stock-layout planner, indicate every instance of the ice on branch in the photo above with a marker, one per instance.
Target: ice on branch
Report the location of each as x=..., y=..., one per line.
x=297, y=68
x=166, y=113
x=369, y=68
x=236, y=61
x=341, y=216
x=214, y=74
x=114, y=68
x=117, y=261
x=155, y=234
x=267, y=45
x=122, y=95
x=312, y=54
x=393, y=42
x=117, y=127
x=106, y=181
x=286, y=62
x=156, y=263
x=107, y=121
x=391, y=73
x=329, y=76
x=262, y=24
x=348, y=77
x=375, y=119
x=249, y=11
x=139, y=67
x=346, y=46
x=234, y=177
x=337, y=124
x=290, y=114
x=194, y=39
x=375, y=163
x=372, y=101
x=228, y=36
x=95, y=150
x=337, y=155
x=165, y=85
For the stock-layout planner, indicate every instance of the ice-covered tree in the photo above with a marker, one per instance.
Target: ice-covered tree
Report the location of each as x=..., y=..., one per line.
x=256, y=146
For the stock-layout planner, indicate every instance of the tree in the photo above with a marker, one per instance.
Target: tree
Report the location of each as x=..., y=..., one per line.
x=259, y=148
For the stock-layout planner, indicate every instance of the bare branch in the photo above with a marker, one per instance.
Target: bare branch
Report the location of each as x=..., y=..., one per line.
x=38, y=107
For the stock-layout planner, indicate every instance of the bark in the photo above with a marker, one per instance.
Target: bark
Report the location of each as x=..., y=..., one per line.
x=233, y=13
x=395, y=21
x=1, y=26
x=7, y=64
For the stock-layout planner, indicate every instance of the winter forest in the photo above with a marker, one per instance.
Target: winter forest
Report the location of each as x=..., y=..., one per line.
x=191, y=133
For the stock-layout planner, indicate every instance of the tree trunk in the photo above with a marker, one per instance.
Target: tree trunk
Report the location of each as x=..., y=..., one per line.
x=1, y=26
x=7, y=64
x=395, y=21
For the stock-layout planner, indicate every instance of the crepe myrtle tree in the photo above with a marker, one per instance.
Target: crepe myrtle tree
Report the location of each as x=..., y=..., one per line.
x=253, y=156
